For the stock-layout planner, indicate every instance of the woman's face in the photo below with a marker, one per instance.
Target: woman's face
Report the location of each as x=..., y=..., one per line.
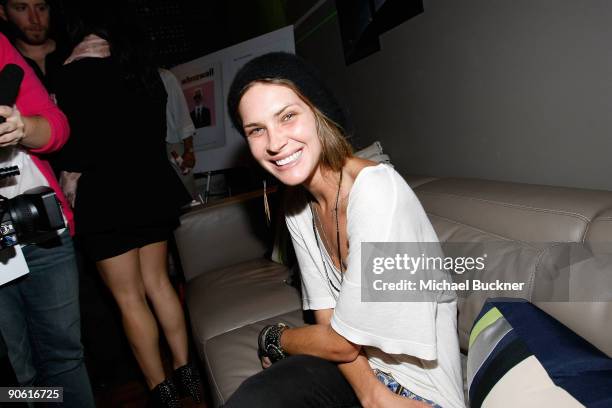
x=281, y=131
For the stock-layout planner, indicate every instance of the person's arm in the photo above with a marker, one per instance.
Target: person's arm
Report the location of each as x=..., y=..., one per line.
x=36, y=123
x=183, y=125
x=358, y=372
x=188, y=155
x=29, y=131
x=319, y=340
x=69, y=182
x=37, y=132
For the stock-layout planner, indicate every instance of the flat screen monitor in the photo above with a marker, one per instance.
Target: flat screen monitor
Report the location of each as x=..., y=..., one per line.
x=362, y=21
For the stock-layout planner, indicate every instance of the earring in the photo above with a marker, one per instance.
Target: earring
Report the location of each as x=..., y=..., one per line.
x=266, y=204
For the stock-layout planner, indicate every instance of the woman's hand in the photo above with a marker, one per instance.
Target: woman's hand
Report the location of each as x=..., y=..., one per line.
x=12, y=131
x=91, y=46
x=265, y=362
x=371, y=392
x=188, y=162
x=69, y=183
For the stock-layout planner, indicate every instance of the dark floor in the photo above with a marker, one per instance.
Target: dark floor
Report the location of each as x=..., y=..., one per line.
x=132, y=394
x=115, y=377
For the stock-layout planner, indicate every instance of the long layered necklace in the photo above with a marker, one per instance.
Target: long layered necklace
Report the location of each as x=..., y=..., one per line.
x=314, y=228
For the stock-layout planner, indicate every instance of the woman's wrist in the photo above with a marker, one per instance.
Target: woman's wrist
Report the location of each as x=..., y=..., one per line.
x=374, y=397
x=269, y=342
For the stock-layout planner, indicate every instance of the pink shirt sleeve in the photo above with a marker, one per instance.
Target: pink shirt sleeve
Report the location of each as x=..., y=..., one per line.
x=33, y=99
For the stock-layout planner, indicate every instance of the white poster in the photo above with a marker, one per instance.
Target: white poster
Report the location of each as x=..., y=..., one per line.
x=206, y=82
x=202, y=86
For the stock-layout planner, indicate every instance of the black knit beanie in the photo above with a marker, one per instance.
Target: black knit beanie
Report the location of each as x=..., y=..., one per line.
x=282, y=65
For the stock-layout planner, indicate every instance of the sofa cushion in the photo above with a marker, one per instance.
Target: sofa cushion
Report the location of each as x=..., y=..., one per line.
x=521, y=356
x=232, y=356
x=228, y=298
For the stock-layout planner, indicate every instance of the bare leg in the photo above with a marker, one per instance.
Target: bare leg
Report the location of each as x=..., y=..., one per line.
x=153, y=264
x=123, y=277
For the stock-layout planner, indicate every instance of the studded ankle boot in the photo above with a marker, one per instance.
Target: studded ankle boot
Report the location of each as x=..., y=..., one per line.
x=164, y=395
x=188, y=382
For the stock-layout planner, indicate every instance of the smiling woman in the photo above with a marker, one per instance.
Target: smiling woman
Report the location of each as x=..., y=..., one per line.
x=369, y=354
x=281, y=131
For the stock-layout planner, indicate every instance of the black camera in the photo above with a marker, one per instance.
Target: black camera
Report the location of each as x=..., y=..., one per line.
x=28, y=217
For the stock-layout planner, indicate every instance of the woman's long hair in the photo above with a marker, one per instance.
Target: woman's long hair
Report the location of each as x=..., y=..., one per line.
x=115, y=22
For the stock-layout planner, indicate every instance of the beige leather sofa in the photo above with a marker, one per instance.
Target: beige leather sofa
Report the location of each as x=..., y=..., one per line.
x=233, y=291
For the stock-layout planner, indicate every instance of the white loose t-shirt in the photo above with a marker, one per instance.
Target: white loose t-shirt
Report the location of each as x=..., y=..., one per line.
x=414, y=341
x=179, y=125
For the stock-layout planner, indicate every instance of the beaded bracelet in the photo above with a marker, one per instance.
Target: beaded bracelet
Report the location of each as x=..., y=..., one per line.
x=269, y=342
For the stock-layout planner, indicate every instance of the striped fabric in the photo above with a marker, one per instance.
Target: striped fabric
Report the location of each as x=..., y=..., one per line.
x=520, y=356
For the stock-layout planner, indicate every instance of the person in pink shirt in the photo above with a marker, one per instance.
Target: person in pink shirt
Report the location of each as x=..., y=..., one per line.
x=39, y=312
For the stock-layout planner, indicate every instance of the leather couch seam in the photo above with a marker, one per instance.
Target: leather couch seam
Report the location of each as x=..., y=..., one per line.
x=250, y=322
x=540, y=258
x=534, y=272
x=586, y=232
x=594, y=220
x=212, y=375
x=517, y=206
x=480, y=230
